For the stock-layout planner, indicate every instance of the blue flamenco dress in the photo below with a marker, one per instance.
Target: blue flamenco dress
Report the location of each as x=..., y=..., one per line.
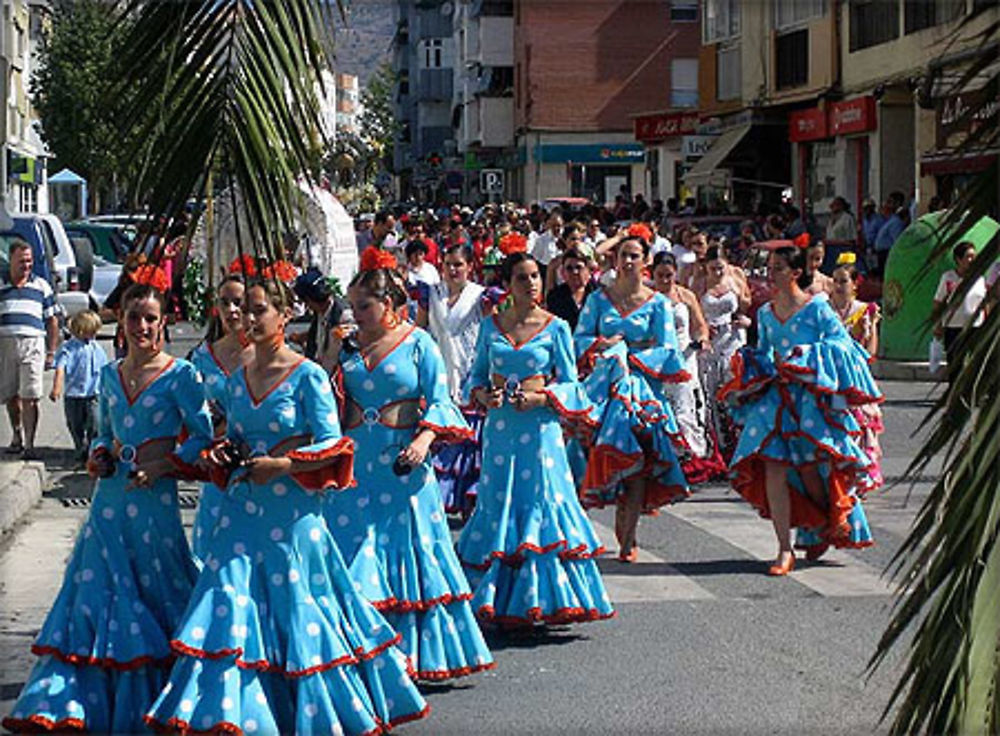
x=105, y=646
x=275, y=638
x=638, y=436
x=793, y=395
x=528, y=547
x=392, y=529
x=213, y=377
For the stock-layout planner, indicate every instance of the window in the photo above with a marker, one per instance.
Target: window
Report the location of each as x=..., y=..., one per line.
x=792, y=52
x=920, y=14
x=721, y=20
x=791, y=13
x=683, y=11
x=684, y=83
x=873, y=22
x=729, y=76
x=432, y=53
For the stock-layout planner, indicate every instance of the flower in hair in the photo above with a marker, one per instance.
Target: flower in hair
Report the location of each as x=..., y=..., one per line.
x=374, y=258
x=847, y=258
x=281, y=270
x=640, y=230
x=244, y=264
x=513, y=243
x=151, y=275
x=802, y=241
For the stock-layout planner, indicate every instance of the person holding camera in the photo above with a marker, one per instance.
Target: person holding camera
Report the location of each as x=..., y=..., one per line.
x=392, y=528
x=528, y=547
x=275, y=638
x=104, y=650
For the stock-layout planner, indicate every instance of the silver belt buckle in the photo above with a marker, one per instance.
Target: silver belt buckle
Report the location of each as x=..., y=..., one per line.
x=370, y=416
x=127, y=454
x=512, y=387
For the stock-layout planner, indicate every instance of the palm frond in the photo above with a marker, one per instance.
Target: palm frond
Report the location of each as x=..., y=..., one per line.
x=234, y=87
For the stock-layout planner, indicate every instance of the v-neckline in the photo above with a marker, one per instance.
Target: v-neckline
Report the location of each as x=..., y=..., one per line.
x=129, y=397
x=516, y=344
x=794, y=314
x=387, y=353
x=218, y=363
x=634, y=309
x=280, y=380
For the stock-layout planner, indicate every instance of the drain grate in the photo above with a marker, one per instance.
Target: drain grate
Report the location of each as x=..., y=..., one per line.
x=184, y=500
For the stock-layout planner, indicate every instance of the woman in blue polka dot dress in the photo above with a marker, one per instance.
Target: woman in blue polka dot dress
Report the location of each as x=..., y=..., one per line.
x=392, y=528
x=528, y=547
x=215, y=361
x=626, y=340
x=798, y=460
x=105, y=646
x=275, y=638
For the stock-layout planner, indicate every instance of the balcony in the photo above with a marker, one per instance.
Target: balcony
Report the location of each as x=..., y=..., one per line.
x=435, y=85
x=491, y=122
x=792, y=57
x=729, y=73
x=496, y=41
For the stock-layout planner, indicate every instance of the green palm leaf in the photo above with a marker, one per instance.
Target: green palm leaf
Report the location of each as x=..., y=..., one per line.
x=232, y=88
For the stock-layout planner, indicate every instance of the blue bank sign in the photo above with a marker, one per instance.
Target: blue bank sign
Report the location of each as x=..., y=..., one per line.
x=598, y=153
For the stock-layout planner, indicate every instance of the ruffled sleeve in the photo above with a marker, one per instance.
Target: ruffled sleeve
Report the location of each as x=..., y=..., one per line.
x=663, y=361
x=587, y=332
x=105, y=434
x=565, y=393
x=479, y=374
x=835, y=364
x=441, y=416
x=190, y=397
x=329, y=446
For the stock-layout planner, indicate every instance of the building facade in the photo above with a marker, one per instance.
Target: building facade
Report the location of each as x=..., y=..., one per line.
x=23, y=182
x=348, y=103
x=583, y=72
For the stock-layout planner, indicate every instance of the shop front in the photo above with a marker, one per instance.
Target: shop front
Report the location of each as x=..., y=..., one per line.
x=664, y=135
x=595, y=171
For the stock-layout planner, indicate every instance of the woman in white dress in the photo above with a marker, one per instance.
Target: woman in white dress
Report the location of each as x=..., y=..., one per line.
x=452, y=311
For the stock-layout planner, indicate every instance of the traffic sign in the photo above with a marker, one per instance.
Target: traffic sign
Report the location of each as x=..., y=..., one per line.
x=491, y=181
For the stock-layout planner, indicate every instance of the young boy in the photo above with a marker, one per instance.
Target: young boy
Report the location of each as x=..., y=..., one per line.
x=78, y=364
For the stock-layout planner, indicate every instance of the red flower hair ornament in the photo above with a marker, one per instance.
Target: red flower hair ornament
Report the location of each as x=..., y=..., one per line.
x=245, y=265
x=374, y=258
x=513, y=243
x=640, y=230
x=802, y=241
x=281, y=270
x=151, y=276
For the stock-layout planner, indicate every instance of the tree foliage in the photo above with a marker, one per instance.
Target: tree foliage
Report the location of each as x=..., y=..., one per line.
x=378, y=120
x=72, y=90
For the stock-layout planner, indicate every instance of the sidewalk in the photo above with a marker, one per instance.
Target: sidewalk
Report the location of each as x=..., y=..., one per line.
x=21, y=486
x=899, y=370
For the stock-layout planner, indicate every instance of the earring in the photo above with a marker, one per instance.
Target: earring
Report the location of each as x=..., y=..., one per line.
x=390, y=319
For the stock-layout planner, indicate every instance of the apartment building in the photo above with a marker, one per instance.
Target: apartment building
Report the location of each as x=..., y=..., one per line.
x=584, y=72
x=347, y=103
x=23, y=183
x=483, y=114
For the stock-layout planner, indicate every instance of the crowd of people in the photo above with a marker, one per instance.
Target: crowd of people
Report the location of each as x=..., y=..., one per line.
x=510, y=369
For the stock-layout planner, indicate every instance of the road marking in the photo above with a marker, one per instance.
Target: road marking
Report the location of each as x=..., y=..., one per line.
x=657, y=581
x=839, y=575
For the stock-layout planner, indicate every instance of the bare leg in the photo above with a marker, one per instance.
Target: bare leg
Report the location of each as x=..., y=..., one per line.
x=29, y=417
x=776, y=483
x=14, y=413
x=813, y=483
x=635, y=490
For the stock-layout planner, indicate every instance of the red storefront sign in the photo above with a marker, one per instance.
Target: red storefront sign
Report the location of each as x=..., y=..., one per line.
x=852, y=116
x=649, y=128
x=807, y=125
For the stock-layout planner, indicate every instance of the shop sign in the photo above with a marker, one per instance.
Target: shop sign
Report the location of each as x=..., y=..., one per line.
x=696, y=146
x=650, y=128
x=597, y=153
x=966, y=112
x=853, y=116
x=807, y=125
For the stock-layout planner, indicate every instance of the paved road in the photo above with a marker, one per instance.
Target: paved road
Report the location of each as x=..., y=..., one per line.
x=703, y=643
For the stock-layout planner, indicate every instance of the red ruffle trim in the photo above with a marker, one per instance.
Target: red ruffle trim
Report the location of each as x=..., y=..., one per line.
x=517, y=557
x=176, y=725
x=574, y=416
x=682, y=376
x=703, y=469
x=395, y=605
x=535, y=616
x=448, y=435
x=264, y=666
x=79, y=660
x=792, y=373
x=36, y=724
x=750, y=484
x=585, y=363
x=607, y=466
x=338, y=473
x=440, y=675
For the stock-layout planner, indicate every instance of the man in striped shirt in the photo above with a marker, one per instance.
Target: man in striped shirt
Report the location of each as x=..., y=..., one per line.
x=27, y=321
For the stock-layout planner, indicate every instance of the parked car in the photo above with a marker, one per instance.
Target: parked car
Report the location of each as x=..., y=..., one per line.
x=110, y=241
x=55, y=259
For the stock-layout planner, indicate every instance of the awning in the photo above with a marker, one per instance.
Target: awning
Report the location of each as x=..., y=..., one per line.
x=941, y=163
x=704, y=172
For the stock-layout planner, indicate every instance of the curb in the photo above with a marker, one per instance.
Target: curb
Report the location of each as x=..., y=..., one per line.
x=21, y=486
x=898, y=370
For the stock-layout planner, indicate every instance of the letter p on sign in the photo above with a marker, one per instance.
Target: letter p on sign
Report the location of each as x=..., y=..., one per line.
x=491, y=181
